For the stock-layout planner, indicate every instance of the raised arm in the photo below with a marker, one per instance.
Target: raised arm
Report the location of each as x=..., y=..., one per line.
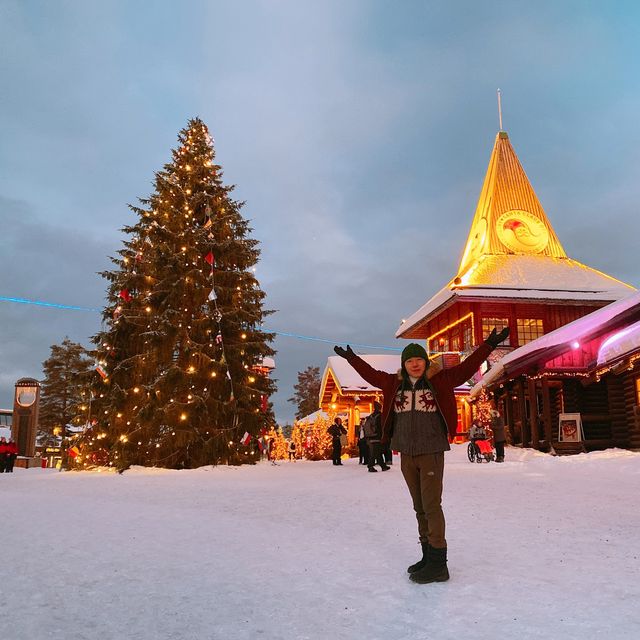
x=462, y=372
x=366, y=371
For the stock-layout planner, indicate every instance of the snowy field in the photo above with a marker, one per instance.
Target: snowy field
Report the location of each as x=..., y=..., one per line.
x=539, y=547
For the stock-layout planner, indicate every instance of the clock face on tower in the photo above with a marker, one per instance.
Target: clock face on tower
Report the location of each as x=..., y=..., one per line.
x=26, y=396
x=522, y=232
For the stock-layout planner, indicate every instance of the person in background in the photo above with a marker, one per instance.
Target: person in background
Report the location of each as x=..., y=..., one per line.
x=292, y=450
x=335, y=431
x=373, y=434
x=12, y=454
x=362, y=445
x=499, y=436
x=4, y=451
x=420, y=415
x=477, y=432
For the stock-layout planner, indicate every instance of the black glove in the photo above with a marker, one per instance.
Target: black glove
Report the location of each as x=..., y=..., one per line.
x=344, y=353
x=496, y=338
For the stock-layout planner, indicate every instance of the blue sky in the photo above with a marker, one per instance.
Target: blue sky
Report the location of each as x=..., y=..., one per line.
x=357, y=132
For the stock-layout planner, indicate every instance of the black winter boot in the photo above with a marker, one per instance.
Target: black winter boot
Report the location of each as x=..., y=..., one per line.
x=418, y=565
x=435, y=569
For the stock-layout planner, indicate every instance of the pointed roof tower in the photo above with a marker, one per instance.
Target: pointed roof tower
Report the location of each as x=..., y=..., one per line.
x=509, y=218
x=512, y=252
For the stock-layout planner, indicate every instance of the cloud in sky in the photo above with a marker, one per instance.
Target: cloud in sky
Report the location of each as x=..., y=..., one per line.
x=358, y=134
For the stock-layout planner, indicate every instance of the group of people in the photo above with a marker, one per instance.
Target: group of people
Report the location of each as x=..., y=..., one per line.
x=478, y=432
x=8, y=455
x=372, y=451
x=370, y=445
x=419, y=418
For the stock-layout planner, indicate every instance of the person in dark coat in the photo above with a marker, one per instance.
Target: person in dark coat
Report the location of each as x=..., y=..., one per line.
x=420, y=415
x=12, y=454
x=499, y=436
x=335, y=431
x=373, y=434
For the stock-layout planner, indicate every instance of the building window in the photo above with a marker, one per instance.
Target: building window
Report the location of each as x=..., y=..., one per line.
x=488, y=324
x=467, y=337
x=529, y=329
x=638, y=390
x=455, y=343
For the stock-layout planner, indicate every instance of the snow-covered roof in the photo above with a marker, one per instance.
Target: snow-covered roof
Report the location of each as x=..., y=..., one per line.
x=524, y=277
x=575, y=331
x=620, y=344
x=5, y=432
x=348, y=379
x=312, y=417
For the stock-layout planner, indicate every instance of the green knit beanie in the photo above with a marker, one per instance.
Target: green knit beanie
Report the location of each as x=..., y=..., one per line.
x=414, y=350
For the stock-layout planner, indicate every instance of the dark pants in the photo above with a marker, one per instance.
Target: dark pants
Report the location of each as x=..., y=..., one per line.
x=337, y=451
x=363, y=450
x=3, y=462
x=499, y=450
x=423, y=475
x=11, y=458
x=375, y=455
x=387, y=454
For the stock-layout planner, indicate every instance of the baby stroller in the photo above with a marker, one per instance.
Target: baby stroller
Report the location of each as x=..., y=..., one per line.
x=480, y=450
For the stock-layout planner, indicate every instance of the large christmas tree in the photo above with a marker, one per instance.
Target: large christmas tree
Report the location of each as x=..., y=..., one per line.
x=181, y=353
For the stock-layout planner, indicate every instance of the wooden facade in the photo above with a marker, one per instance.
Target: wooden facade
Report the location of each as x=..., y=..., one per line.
x=537, y=387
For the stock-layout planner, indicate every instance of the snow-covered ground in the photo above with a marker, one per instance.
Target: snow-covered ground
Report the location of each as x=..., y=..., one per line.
x=539, y=547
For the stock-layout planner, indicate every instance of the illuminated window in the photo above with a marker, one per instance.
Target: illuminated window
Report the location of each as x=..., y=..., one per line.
x=638, y=390
x=529, y=329
x=488, y=325
x=467, y=337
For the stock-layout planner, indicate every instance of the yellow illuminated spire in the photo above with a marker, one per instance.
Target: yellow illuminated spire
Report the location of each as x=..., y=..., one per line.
x=509, y=218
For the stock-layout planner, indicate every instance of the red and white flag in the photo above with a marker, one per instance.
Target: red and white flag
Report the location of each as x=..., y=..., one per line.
x=101, y=371
x=246, y=438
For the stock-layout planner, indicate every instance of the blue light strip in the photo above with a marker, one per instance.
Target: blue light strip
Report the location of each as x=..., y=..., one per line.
x=48, y=304
x=283, y=334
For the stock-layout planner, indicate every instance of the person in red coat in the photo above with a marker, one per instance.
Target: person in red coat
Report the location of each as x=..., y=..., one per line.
x=420, y=417
x=12, y=454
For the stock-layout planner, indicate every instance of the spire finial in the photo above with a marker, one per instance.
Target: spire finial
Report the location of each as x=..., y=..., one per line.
x=500, y=108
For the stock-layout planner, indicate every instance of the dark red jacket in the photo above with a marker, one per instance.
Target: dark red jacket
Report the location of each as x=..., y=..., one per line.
x=4, y=448
x=12, y=448
x=443, y=382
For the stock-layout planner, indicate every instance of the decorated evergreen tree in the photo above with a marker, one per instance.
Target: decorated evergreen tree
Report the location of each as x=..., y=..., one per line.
x=182, y=345
x=483, y=409
x=279, y=448
x=317, y=440
x=65, y=394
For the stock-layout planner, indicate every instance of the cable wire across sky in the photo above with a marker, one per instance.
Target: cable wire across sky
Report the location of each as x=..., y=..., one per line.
x=283, y=334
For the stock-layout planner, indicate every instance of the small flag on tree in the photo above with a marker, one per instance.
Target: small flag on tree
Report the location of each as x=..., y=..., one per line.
x=246, y=438
x=125, y=295
x=209, y=258
x=212, y=294
x=219, y=338
x=74, y=452
x=101, y=371
x=264, y=404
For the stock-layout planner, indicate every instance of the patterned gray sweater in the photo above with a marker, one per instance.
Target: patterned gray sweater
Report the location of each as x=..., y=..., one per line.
x=419, y=427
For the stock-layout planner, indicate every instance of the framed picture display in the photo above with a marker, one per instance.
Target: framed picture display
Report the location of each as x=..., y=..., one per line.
x=570, y=428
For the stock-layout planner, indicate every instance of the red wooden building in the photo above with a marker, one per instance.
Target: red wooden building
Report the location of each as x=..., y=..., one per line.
x=588, y=368
x=513, y=272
